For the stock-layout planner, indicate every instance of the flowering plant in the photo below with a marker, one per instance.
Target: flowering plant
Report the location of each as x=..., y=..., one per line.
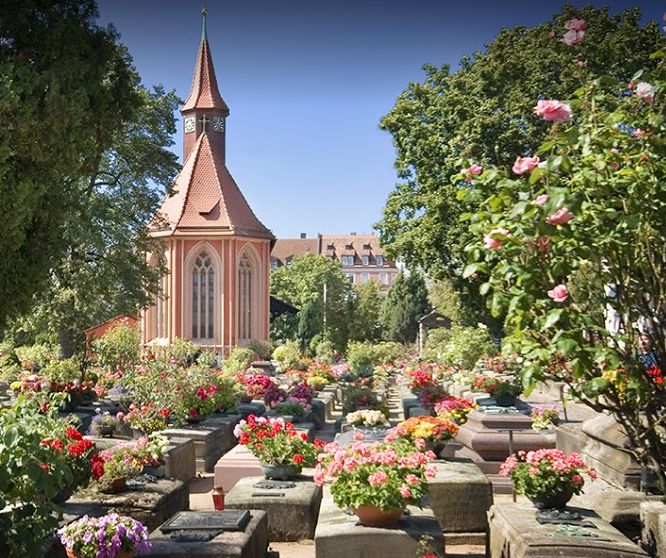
x=147, y=418
x=546, y=472
x=317, y=382
x=274, y=396
x=275, y=442
x=107, y=536
x=255, y=384
x=455, y=409
x=147, y=451
x=429, y=429
x=367, y=417
x=499, y=385
x=104, y=420
x=291, y=407
x=119, y=463
x=355, y=398
x=544, y=418
x=388, y=476
x=301, y=393
x=80, y=454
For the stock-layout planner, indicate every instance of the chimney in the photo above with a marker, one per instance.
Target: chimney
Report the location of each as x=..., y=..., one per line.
x=352, y=234
x=303, y=235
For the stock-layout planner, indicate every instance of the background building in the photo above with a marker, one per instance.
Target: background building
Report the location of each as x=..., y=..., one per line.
x=360, y=255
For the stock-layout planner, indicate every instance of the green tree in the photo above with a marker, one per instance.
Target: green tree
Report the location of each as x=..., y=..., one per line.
x=366, y=321
x=66, y=89
x=103, y=271
x=405, y=303
x=574, y=253
x=302, y=284
x=483, y=114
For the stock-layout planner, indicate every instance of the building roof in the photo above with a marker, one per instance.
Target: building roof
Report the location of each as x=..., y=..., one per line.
x=358, y=242
x=292, y=247
x=204, y=93
x=206, y=197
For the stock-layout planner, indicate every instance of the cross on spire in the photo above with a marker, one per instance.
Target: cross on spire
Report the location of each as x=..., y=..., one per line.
x=204, y=121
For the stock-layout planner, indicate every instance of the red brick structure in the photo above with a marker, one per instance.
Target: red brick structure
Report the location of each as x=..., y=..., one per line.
x=216, y=250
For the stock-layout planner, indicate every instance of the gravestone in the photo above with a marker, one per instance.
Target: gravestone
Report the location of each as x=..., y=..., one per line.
x=516, y=533
x=292, y=506
x=653, y=519
x=250, y=542
x=234, y=465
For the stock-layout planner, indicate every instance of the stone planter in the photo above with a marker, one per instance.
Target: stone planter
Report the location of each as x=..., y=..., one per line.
x=279, y=472
x=106, y=431
x=551, y=501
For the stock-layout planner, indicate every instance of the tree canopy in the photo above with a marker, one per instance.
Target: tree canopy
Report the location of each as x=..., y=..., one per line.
x=405, y=303
x=67, y=88
x=483, y=114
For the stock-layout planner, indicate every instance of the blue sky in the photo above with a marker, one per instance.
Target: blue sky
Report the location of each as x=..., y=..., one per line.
x=307, y=84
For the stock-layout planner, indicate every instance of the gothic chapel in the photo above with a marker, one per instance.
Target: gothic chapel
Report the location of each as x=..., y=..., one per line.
x=216, y=250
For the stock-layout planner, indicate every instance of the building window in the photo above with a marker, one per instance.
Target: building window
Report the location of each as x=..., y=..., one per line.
x=330, y=247
x=379, y=260
x=161, y=308
x=274, y=263
x=347, y=260
x=365, y=260
x=245, y=273
x=203, y=297
x=383, y=278
x=350, y=276
x=287, y=262
x=365, y=277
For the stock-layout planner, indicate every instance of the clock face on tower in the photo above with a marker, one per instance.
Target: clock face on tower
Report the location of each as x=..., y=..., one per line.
x=189, y=124
x=218, y=123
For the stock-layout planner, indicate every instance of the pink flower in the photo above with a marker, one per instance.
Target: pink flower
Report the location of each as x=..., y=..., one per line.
x=560, y=217
x=525, y=164
x=472, y=170
x=638, y=133
x=645, y=91
x=551, y=33
x=492, y=242
x=614, y=150
x=582, y=63
x=559, y=293
x=543, y=244
x=552, y=110
x=572, y=37
x=541, y=200
x=378, y=478
x=631, y=84
x=405, y=491
x=575, y=24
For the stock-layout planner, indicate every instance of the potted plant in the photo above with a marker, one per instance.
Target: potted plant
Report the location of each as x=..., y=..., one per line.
x=111, y=536
x=368, y=418
x=119, y=465
x=429, y=433
x=504, y=388
x=104, y=424
x=290, y=409
x=376, y=481
x=544, y=418
x=454, y=409
x=282, y=451
x=147, y=452
x=274, y=395
x=548, y=477
x=254, y=385
x=147, y=418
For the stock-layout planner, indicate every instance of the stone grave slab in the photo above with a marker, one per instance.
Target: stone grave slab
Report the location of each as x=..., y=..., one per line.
x=409, y=400
x=152, y=503
x=460, y=496
x=234, y=465
x=318, y=413
x=516, y=533
x=418, y=411
x=653, y=536
x=251, y=542
x=292, y=506
x=256, y=408
x=338, y=535
x=308, y=428
x=181, y=459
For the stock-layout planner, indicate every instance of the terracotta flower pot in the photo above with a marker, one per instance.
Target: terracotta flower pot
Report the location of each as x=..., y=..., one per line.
x=372, y=516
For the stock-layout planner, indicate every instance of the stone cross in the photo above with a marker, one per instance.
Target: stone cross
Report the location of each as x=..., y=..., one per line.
x=204, y=121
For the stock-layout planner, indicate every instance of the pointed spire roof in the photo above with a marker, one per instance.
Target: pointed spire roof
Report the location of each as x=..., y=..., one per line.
x=206, y=199
x=204, y=93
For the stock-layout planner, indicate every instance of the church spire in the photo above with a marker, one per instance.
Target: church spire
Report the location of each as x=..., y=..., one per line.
x=204, y=32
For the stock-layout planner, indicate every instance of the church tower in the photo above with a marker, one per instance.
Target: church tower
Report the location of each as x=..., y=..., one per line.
x=216, y=250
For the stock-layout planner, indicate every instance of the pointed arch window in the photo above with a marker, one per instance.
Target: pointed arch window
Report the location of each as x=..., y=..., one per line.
x=161, y=309
x=245, y=286
x=203, y=297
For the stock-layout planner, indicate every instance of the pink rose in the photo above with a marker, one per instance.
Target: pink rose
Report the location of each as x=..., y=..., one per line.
x=614, y=150
x=378, y=478
x=494, y=243
x=543, y=244
x=560, y=217
x=541, y=200
x=559, y=293
x=638, y=133
x=551, y=33
x=582, y=63
x=572, y=37
x=405, y=491
x=575, y=24
x=631, y=84
x=472, y=170
x=645, y=91
x=553, y=110
x=525, y=164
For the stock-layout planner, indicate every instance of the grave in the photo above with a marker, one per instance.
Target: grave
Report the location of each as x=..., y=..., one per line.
x=234, y=465
x=338, y=535
x=249, y=542
x=152, y=503
x=516, y=533
x=487, y=435
x=212, y=439
x=292, y=506
x=653, y=519
x=460, y=496
x=256, y=408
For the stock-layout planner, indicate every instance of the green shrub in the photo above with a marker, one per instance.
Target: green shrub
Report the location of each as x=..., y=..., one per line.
x=325, y=352
x=239, y=359
x=183, y=352
x=460, y=347
x=35, y=357
x=261, y=350
x=288, y=355
x=118, y=347
x=207, y=359
x=9, y=364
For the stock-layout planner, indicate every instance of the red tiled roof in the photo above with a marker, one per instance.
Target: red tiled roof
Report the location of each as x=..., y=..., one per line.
x=340, y=242
x=292, y=247
x=206, y=197
x=204, y=93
